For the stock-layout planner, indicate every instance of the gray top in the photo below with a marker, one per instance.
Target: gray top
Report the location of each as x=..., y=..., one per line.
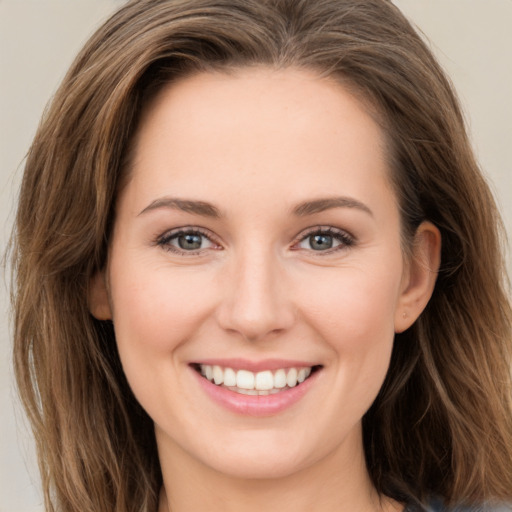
x=437, y=506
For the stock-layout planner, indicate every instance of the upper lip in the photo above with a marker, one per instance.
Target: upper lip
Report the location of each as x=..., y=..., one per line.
x=255, y=366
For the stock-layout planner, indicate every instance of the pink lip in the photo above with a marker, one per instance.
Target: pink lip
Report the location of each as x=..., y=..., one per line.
x=255, y=405
x=255, y=366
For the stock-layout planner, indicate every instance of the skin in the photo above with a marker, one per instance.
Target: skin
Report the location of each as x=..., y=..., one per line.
x=255, y=144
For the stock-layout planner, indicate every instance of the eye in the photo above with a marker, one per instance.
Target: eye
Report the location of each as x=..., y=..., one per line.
x=325, y=240
x=186, y=241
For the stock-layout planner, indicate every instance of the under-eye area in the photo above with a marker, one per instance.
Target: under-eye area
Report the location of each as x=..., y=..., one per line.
x=266, y=382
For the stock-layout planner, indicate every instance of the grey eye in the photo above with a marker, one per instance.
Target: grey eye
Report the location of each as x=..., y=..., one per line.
x=183, y=241
x=189, y=241
x=325, y=240
x=321, y=242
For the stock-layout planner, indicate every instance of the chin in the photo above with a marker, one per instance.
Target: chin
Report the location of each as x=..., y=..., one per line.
x=263, y=458
x=260, y=468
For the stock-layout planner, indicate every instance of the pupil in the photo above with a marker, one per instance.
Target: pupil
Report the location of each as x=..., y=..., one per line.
x=320, y=242
x=189, y=241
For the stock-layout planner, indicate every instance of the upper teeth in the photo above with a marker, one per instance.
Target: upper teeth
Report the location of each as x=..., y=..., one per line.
x=260, y=381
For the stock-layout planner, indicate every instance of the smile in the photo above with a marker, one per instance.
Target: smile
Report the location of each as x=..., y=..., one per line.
x=255, y=388
x=246, y=382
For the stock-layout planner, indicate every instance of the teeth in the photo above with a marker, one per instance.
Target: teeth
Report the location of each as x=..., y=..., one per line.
x=244, y=379
x=250, y=383
x=264, y=381
x=280, y=379
x=218, y=375
x=229, y=377
x=291, y=378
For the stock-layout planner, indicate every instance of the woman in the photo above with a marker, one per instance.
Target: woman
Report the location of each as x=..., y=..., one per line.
x=258, y=267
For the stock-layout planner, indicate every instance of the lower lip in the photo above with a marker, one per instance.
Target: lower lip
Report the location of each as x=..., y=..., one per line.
x=256, y=405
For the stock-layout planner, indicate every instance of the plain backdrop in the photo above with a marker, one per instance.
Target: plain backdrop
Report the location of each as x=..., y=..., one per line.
x=38, y=40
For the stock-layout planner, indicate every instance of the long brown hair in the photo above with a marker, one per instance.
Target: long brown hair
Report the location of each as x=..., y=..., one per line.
x=442, y=423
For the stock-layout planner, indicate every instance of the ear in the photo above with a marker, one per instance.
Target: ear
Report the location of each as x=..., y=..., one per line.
x=99, y=304
x=419, y=276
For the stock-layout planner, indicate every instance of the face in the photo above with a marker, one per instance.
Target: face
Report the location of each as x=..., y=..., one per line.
x=256, y=276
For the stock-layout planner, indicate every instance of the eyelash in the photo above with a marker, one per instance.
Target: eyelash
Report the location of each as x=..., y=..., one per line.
x=345, y=239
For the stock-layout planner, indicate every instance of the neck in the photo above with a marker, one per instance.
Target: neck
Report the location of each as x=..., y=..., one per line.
x=336, y=483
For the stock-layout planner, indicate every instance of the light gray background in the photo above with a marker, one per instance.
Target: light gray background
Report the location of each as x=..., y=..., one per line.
x=38, y=40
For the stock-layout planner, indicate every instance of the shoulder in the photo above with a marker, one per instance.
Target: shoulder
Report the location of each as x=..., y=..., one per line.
x=438, y=506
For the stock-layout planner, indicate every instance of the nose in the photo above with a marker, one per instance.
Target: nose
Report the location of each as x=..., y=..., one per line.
x=256, y=301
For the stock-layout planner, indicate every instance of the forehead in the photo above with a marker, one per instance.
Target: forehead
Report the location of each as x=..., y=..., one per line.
x=262, y=93
x=257, y=127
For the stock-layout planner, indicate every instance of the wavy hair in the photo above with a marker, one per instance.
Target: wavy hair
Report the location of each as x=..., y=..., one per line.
x=442, y=423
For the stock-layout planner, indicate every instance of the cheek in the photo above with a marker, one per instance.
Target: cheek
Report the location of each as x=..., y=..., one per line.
x=156, y=309
x=350, y=310
x=353, y=313
x=354, y=307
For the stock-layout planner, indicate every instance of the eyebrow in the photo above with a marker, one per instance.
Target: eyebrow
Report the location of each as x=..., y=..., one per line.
x=320, y=205
x=205, y=209
x=186, y=205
